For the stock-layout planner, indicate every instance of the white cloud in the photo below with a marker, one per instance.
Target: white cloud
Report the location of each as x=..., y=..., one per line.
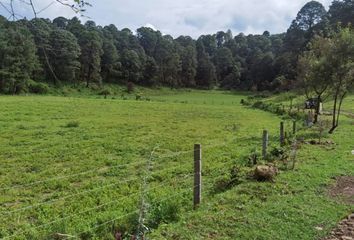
x=149, y=25
x=186, y=17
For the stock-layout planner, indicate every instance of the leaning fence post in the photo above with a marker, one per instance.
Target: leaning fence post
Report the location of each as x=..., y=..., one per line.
x=197, y=175
x=282, y=136
x=265, y=144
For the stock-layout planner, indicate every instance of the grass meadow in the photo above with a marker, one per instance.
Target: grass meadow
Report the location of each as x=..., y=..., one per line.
x=79, y=167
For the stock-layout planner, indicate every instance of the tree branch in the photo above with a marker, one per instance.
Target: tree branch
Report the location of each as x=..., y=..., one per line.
x=77, y=6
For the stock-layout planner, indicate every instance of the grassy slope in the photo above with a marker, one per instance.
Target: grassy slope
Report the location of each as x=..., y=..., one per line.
x=348, y=104
x=37, y=145
x=289, y=209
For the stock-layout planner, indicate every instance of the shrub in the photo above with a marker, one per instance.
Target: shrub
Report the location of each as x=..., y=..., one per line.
x=72, y=124
x=37, y=87
x=254, y=157
x=258, y=104
x=277, y=152
x=227, y=181
x=138, y=97
x=105, y=92
x=164, y=212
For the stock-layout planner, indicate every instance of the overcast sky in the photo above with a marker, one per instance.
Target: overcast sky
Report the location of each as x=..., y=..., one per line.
x=183, y=17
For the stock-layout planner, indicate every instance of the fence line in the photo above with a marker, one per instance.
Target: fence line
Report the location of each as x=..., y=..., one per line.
x=90, y=171
x=144, y=190
x=102, y=187
x=69, y=176
x=78, y=194
x=120, y=217
x=104, y=168
x=95, y=208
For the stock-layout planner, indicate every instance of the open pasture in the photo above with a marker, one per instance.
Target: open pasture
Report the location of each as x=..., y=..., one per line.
x=79, y=167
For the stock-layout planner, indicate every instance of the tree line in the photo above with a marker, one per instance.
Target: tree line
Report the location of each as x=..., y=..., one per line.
x=67, y=51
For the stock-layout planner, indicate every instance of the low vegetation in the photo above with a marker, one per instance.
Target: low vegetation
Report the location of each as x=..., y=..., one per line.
x=80, y=164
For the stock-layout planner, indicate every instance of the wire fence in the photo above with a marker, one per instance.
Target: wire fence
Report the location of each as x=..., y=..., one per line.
x=182, y=179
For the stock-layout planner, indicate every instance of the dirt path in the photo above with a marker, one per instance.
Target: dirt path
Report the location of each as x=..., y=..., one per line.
x=345, y=190
x=344, y=231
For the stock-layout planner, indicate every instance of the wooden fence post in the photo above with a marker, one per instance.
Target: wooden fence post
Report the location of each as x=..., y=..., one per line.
x=265, y=144
x=197, y=175
x=282, y=136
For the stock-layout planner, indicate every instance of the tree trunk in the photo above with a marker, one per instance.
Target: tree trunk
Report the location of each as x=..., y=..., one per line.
x=89, y=77
x=317, y=110
x=334, y=114
x=340, y=107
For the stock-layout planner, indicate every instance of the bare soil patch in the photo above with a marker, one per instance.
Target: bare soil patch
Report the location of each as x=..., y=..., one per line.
x=344, y=189
x=344, y=231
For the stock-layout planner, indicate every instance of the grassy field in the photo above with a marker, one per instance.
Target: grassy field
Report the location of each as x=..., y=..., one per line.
x=76, y=167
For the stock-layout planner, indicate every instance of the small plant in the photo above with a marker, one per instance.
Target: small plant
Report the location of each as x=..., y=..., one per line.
x=279, y=153
x=72, y=124
x=164, y=212
x=321, y=127
x=105, y=92
x=227, y=181
x=254, y=157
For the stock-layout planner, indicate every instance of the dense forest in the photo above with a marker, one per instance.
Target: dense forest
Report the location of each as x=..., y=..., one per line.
x=37, y=52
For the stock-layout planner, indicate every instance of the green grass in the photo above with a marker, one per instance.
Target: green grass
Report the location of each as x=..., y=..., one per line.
x=105, y=146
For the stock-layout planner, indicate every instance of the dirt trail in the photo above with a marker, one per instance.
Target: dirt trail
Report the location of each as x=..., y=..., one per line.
x=344, y=231
x=345, y=190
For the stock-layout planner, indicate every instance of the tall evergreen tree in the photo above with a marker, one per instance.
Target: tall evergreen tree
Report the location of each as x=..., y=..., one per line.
x=18, y=59
x=64, y=55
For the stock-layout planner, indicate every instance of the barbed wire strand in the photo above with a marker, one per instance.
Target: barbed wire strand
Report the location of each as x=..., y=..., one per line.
x=104, y=168
x=94, y=208
x=69, y=176
x=83, y=192
x=136, y=211
x=77, y=194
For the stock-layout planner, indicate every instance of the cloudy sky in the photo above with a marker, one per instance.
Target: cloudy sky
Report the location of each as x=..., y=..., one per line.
x=183, y=17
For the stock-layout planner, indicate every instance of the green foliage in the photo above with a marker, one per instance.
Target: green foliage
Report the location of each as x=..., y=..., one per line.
x=72, y=124
x=71, y=52
x=64, y=56
x=91, y=52
x=37, y=87
x=106, y=91
x=164, y=212
x=341, y=11
x=18, y=58
x=227, y=180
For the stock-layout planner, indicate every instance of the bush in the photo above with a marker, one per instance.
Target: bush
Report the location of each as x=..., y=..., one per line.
x=277, y=151
x=227, y=181
x=254, y=157
x=105, y=92
x=72, y=124
x=164, y=212
x=37, y=87
x=138, y=97
x=258, y=104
